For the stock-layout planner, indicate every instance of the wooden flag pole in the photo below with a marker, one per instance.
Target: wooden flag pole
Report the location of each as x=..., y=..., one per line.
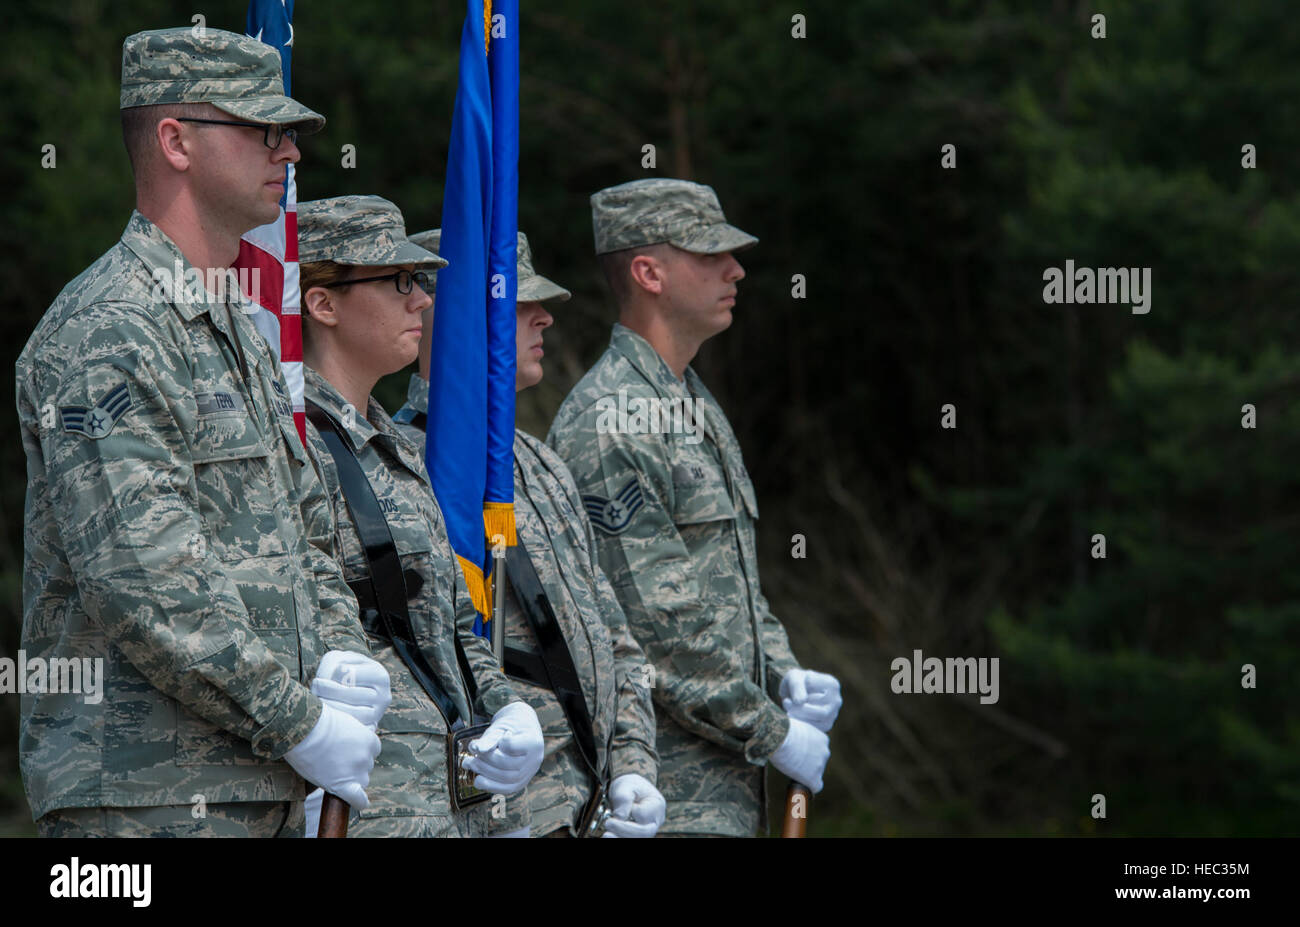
x=797, y=799
x=333, y=817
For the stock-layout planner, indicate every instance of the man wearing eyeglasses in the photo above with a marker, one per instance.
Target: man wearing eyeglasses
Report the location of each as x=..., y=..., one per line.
x=177, y=534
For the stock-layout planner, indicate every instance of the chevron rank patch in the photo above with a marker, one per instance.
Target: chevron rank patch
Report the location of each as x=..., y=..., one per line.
x=612, y=516
x=98, y=421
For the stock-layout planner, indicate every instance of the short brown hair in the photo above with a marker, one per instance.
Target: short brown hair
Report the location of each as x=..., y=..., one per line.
x=617, y=266
x=318, y=273
x=321, y=273
x=139, y=123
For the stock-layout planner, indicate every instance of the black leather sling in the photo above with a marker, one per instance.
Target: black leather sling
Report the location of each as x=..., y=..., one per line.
x=382, y=597
x=554, y=669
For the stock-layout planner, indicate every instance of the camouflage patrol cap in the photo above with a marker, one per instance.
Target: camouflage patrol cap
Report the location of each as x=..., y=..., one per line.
x=649, y=212
x=428, y=240
x=235, y=73
x=533, y=287
x=361, y=231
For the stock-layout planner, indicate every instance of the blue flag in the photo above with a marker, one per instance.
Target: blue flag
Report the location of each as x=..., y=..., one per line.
x=271, y=21
x=471, y=423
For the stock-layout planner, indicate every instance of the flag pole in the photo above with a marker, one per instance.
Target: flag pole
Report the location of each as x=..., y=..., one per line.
x=797, y=798
x=498, y=606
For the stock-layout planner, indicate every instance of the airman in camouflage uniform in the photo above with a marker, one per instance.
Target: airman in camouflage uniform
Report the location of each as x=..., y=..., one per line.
x=610, y=664
x=175, y=527
x=408, y=791
x=674, y=511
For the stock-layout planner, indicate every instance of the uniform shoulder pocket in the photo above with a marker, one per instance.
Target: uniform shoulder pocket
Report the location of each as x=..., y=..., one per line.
x=404, y=500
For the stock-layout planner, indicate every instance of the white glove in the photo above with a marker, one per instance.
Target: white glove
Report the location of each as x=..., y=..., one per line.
x=337, y=755
x=509, y=752
x=524, y=831
x=803, y=754
x=354, y=683
x=312, y=807
x=637, y=808
x=811, y=697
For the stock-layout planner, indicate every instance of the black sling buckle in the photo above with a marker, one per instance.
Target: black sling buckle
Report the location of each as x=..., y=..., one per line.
x=560, y=673
x=385, y=587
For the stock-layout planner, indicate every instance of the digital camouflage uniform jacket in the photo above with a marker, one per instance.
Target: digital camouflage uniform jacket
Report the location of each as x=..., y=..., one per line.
x=408, y=788
x=176, y=529
x=610, y=663
x=676, y=537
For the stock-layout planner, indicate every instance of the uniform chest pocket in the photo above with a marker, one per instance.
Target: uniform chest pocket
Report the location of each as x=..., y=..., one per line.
x=414, y=549
x=700, y=492
x=706, y=518
x=411, y=537
x=226, y=436
x=408, y=526
x=405, y=503
x=232, y=471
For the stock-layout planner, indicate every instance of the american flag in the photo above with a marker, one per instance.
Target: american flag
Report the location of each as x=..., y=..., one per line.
x=270, y=252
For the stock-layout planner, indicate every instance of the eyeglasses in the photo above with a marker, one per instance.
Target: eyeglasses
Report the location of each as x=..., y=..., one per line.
x=402, y=280
x=271, y=137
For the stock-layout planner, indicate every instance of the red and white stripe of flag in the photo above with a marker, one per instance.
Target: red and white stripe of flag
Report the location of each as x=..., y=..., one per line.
x=272, y=251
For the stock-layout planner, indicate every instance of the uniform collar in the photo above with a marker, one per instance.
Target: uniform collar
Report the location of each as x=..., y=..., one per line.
x=159, y=253
x=641, y=355
x=152, y=245
x=375, y=425
x=647, y=361
x=696, y=388
x=417, y=393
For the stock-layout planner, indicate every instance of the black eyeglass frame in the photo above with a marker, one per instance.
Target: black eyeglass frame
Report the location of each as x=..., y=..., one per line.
x=419, y=278
x=281, y=130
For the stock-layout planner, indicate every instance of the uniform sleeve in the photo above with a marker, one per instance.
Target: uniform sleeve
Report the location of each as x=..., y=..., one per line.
x=494, y=689
x=776, y=647
x=340, y=623
x=632, y=749
x=128, y=511
x=699, y=684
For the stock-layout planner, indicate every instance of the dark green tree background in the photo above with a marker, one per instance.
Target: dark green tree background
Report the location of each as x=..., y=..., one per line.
x=1119, y=676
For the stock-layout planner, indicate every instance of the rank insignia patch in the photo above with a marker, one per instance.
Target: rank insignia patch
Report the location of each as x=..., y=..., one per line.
x=97, y=422
x=612, y=516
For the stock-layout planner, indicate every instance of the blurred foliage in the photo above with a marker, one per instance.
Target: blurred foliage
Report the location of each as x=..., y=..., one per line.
x=1119, y=676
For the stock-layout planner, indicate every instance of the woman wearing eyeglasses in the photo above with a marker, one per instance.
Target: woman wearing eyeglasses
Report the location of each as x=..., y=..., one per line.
x=362, y=285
